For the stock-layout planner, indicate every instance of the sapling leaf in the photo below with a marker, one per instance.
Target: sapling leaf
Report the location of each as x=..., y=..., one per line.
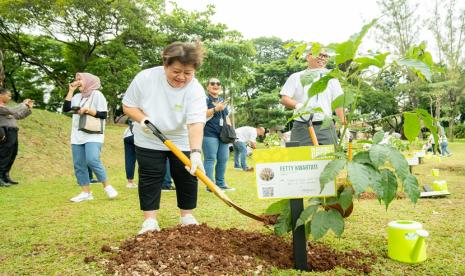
x=284, y=221
x=331, y=170
x=343, y=100
x=362, y=157
x=378, y=137
x=319, y=86
x=399, y=163
x=322, y=221
x=346, y=197
x=412, y=125
x=419, y=67
x=361, y=176
x=306, y=213
x=277, y=207
x=387, y=191
x=378, y=154
x=327, y=121
x=411, y=188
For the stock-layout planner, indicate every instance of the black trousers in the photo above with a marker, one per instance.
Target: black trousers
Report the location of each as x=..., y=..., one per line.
x=152, y=169
x=8, y=151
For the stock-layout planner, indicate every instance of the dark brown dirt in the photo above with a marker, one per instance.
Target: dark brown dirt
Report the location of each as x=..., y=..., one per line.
x=201, y=250
x=372, y=195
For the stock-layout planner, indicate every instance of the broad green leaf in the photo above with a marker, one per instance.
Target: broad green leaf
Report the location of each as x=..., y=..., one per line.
x=331, y=170
x=324, y=220
x=284, y=222
x=387, y=191
x=345, y=51
x=346, y=197
x=357, y=38
x=277, y=207
x=308, y=77
x=412, y=125
x=362, y=157
x=327, y=122
x=378, y=137
x=419, y=67
x=411, y=188
x=399, y=163
x=364, y=141
x=382, y=58
x=316, y=49
x=318, y=86
x=361, y=176
x=368, y=61
x=306, y=213
x=378, y=154
x=429, y=122
x=344, y=100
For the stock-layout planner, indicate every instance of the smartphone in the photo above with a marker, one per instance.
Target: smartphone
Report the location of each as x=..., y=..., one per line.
x=75, y=108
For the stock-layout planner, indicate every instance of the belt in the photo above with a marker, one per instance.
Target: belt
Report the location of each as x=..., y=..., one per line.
x=10, y=128
x=315, y=123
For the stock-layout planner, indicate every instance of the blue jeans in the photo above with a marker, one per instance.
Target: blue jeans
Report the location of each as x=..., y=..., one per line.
x=88, y=155
x=167, y=180
x=215, y=150
x=129, y=156
x=444, y=150
x=240, y=152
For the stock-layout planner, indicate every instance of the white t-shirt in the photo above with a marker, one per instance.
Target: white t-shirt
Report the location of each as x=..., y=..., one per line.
x=97, y=102
x=293, y=88
x=246, y=134
x=169, y=109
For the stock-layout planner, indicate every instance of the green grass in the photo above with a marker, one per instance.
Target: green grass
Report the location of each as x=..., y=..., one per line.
x=42, y=233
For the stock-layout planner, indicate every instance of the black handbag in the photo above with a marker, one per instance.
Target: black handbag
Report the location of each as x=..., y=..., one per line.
x=227, y=134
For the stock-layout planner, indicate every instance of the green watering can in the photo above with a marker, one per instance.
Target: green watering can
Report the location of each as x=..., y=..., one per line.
x=406, y=241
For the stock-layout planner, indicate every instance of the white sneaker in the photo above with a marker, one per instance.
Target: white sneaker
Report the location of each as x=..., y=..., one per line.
x=149, y=224
x=188, y=220
x=111, y=192
x=131, y=185
x=82, y=196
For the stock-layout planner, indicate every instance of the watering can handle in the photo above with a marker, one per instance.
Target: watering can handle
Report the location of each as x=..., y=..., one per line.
x=422, y=234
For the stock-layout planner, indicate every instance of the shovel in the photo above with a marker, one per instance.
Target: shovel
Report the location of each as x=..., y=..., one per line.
x=200, y=174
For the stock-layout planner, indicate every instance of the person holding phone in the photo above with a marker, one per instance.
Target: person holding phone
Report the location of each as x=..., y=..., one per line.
x=9, y=134
x=86, y=147
x=214, y=150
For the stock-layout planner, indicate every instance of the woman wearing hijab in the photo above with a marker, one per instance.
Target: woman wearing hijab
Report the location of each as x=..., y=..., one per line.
x=85, y=146
x=172, y=99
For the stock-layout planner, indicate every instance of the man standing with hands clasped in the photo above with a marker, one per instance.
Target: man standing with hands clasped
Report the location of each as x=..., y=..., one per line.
x=295, y=96
x=9, y=134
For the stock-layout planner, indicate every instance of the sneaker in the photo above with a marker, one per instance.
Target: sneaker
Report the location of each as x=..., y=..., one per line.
x=227, y=188
x=149, y=224
x=170, y=189
x=111, y=192
x=188, y=220
x=93, y=181
x=248, y=169
x=82, y=196
x=131, y=185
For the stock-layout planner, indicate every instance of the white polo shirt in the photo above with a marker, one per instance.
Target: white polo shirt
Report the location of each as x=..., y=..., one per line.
x=169, y=109
x=95, y=101
x=246, y=134
x=293, y=88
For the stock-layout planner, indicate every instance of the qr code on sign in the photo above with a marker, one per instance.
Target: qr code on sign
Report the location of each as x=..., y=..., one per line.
x=268, y=191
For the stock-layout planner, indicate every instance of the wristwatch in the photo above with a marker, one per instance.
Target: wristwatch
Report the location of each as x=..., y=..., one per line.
x=196, y=150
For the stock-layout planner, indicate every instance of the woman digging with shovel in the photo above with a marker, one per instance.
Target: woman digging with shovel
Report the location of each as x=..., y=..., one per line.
x=172, y=99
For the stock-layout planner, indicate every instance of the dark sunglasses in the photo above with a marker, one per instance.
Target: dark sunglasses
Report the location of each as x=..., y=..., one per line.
x=323, y=56
x=212, y=83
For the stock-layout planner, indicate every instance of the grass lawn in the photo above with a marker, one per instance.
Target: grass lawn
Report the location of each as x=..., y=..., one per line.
x=42, y=233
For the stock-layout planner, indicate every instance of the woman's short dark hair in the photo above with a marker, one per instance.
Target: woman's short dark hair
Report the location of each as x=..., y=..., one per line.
x=185, y=53
x=4, y=90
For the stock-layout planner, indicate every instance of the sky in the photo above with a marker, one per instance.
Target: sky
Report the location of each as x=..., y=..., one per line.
x=303, y=20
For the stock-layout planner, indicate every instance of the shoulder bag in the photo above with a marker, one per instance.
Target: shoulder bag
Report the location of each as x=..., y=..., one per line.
x=227, y=134
x=90, y=124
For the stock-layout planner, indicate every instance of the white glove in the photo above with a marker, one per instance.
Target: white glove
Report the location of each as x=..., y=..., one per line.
x=143, y=126
x=298, y=106
x=196, y=163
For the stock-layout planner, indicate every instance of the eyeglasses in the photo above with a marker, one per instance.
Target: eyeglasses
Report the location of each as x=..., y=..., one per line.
x=325, y=56
x=213, y=83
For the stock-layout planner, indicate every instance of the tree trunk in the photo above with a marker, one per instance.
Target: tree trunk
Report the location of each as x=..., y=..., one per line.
x=2, y=70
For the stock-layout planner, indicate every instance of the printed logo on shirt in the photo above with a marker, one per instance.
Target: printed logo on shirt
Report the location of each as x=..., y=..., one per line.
x=178, y=107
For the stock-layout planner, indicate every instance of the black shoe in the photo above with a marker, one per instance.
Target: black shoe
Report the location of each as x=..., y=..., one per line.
x=9, y=180
x=4, y=184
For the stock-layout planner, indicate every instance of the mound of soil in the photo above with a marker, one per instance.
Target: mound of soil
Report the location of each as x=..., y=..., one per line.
x=201, y=250
x=372, y=195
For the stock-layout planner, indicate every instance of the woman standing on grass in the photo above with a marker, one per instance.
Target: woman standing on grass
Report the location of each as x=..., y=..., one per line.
x=214, y=150
x=174, y=101
x=86, y=147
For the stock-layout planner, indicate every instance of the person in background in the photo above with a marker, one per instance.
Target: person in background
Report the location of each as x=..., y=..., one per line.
x=246, y=135
x=129, y=155
x=294, y=96
x=171, y=98
x=167, y=186
x=443, y=143
x=86, y=147
x=9, y=134
x=214, y=150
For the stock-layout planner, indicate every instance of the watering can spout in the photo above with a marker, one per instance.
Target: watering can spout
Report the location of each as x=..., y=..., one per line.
x=422, y=234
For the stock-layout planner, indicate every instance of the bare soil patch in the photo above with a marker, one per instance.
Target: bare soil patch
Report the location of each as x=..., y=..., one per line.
x=202, y=250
